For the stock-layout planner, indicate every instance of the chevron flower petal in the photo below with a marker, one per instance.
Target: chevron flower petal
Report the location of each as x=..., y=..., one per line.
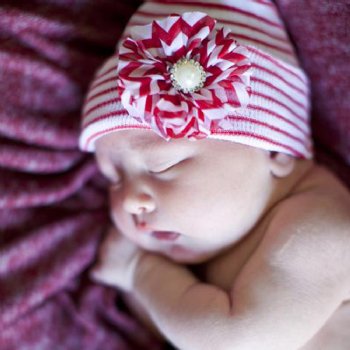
x=182, y=76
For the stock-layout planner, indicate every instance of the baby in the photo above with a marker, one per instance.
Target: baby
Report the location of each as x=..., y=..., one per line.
x=226, y=233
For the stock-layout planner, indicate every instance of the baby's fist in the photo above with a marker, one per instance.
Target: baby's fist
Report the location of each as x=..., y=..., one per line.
x=117, y=262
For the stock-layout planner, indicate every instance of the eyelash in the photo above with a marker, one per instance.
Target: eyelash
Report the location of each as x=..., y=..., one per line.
x=164, y=170
x=167, y=168
x=117, y=183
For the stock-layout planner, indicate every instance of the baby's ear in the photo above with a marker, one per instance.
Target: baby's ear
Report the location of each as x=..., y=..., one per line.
x=281, y=164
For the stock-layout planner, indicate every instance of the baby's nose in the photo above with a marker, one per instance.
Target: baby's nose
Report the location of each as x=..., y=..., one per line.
x=138, y=203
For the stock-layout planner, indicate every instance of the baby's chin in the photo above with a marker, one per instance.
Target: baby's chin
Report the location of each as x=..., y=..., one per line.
x=182, y=255
x=179, y=252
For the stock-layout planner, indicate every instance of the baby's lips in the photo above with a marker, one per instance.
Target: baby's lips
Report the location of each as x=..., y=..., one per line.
x=158, y=234
x=165, y=235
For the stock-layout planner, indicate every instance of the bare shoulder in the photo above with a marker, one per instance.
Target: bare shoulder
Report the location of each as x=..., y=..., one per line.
x=319, y=205
x=309, y=234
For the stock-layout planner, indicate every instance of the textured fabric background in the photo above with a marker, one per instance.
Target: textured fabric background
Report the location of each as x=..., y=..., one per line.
x=320, y=30
x=52, y=201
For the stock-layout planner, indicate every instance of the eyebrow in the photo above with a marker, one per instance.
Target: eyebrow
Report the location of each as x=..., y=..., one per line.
x=145, y=144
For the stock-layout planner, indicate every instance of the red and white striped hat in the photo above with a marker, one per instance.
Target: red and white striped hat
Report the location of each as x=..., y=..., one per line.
x=220, y=69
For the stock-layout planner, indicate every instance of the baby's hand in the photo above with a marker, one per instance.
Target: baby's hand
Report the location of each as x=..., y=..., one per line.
x=118, y=258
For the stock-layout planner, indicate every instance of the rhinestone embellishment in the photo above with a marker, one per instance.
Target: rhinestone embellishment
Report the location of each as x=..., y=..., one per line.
x=187, y=75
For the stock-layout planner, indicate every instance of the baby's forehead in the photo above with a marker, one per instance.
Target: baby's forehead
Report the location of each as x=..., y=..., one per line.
x=145, y=143
x=132, y=139
x=141, y=141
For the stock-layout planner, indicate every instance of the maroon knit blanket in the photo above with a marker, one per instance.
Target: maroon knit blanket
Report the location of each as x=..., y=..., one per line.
x=53, y=206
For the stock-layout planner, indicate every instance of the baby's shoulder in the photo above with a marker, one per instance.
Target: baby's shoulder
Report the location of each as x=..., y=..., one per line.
x=320, y=200
x=312, y=226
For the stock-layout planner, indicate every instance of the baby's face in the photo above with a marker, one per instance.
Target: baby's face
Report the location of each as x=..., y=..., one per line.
x=187, y=200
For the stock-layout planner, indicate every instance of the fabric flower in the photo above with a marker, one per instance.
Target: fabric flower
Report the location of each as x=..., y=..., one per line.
x=181, y=76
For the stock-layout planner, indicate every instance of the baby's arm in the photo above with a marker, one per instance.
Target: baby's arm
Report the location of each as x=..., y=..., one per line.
x=288, y=289
x=291, y=285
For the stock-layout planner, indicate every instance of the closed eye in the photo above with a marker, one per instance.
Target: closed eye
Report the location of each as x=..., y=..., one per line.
x=166, y=167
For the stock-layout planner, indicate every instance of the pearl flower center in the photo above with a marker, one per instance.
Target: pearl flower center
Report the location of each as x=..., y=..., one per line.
x=187, y=75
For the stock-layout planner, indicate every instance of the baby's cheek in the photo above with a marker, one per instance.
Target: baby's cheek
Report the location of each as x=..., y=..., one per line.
x=114, y=209
x=116, y=203
x=119, y=219
x=188, y=206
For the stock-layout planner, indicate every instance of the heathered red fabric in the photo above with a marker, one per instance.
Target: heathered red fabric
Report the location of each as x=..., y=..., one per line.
x=53, y=206
x=320, y=30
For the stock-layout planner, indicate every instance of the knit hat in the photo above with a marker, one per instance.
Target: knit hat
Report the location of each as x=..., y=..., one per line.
x=220, y=69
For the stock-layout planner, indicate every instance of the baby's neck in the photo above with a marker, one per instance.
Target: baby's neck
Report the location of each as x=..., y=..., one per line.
x=286, y=186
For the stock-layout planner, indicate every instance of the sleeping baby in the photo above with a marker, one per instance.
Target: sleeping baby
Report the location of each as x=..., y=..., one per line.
x=226, y=234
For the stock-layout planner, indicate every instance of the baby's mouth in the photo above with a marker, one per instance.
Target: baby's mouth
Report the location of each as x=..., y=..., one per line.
x=165, y=235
